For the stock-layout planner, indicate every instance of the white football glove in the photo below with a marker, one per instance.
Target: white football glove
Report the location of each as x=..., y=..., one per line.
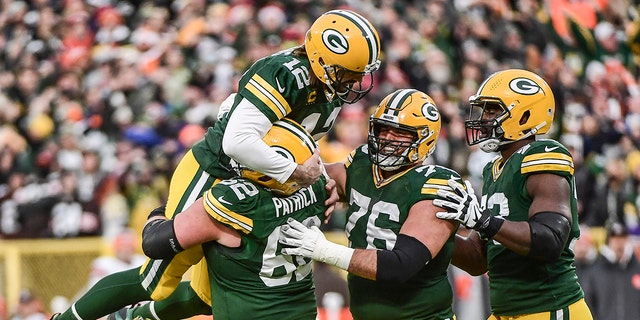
x=462, y=205
x=311, y=243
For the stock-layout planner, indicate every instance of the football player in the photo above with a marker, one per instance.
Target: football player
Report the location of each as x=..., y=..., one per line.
x=526, y=220
x=308, y=84
x=250, y=278
x=398, y=250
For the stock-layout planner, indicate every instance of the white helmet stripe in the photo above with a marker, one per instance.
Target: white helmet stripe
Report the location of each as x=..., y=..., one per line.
x=364, y=25
x=398, y=99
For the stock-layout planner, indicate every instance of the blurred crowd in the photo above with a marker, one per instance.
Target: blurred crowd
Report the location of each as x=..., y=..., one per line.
x=100, y=98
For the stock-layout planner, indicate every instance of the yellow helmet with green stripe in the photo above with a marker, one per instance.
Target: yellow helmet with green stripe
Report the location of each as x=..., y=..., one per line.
x=412, y=111
x=343, y=47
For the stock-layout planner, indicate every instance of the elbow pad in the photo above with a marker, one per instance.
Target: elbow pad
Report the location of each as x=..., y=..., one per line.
x=159, y=239
x=549, y=234
x=407, y=257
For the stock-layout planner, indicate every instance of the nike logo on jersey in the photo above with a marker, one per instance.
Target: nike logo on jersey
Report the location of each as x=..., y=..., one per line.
x=221, y=200
x=280, y=88
x=549, y=149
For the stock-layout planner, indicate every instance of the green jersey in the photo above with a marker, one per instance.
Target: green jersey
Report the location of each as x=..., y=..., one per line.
x=377, y=210
x=255, y=281
x=278, y=85
x=519, y=284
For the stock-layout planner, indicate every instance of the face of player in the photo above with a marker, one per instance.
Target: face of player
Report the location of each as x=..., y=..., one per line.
x=348, y=85
x=401, y=140
x=490, y=111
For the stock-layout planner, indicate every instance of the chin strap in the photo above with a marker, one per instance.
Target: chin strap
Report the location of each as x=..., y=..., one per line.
x=491, y=145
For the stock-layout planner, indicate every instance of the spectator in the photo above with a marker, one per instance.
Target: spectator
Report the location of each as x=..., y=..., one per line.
x=613, y=284
x=30, y=307
x=585, y=252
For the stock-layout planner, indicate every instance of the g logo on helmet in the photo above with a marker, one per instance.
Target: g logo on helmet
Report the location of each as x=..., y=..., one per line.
x=430, y=112
x=524, y=86
x=335, y=41
x=284, y=152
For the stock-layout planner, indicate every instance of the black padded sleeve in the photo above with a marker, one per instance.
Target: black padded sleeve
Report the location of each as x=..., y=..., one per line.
x=549, y=234
x=400, y=264
x=159, y=239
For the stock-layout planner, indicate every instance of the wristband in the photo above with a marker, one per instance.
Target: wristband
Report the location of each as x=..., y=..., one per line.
x=333, y=254
x=488, y=225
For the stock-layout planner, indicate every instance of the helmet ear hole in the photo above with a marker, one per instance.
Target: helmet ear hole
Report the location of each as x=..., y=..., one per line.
x=525, y=117
x=264, y=178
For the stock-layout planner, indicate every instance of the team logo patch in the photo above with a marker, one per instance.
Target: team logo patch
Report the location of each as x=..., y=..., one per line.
x=335, y=41
x=430, y=111
x=524, y=86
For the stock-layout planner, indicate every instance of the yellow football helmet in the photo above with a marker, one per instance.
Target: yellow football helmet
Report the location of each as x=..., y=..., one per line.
x=409, y=110
x=524, y=104
x=343, y=48
x=293, y=142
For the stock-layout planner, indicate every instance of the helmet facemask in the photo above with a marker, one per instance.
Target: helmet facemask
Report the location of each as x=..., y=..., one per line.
x=486, y=132
x=346, y=85
x=389, y=154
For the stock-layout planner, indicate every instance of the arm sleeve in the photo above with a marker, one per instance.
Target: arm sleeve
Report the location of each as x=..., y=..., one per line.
x=242, y=141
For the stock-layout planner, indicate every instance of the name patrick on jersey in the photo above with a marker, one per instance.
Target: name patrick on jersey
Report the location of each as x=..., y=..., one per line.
x=303, y=198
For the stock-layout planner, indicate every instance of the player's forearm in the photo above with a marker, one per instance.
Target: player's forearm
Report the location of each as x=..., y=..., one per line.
x=469, y=254
x=242, y=141
x=364, y=264
x=516, y=236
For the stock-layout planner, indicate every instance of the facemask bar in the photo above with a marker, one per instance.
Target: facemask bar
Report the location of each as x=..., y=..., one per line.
x=479, y=130
x=349, y=92
x=390, y=154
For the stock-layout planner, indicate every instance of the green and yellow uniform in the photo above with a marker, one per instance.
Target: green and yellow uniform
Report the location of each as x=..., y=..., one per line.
x=279, y=86
x=519, y=284
x=255, y=281
x=377, y=210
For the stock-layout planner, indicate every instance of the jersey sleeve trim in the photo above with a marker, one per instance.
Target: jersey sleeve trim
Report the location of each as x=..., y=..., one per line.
x=432, y=186
x=226, y=216
x=548, y=161
x=350, y=157
x=269, y=95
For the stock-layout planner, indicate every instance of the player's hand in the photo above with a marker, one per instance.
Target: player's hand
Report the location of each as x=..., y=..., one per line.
x=311, y=243
x=461, y=205
x=332, y=192
x=309, y=172
x=300, y=240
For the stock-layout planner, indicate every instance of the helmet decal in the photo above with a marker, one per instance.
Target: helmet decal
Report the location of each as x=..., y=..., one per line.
x=335, y=41
x=430, y=111
x=524, y=86
x=283, y=152
x=371, y=37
